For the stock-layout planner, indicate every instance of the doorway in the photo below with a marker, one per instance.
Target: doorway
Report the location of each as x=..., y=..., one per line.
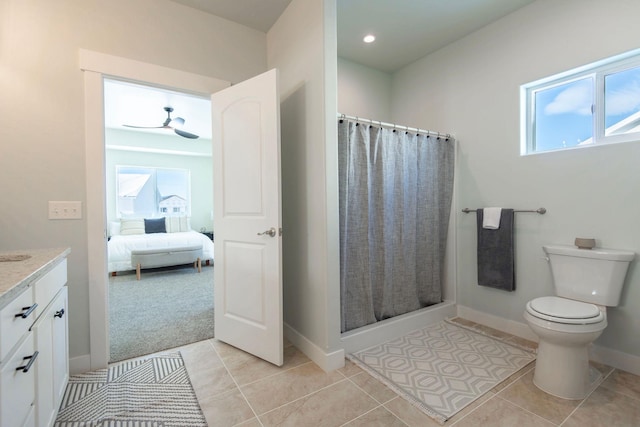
x=97, y=67
x=158, y=161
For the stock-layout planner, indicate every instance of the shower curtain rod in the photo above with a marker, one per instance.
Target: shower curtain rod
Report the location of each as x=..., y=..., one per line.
x=395, y=127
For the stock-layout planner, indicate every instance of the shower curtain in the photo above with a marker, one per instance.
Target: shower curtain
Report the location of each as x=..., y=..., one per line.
x=395, y=199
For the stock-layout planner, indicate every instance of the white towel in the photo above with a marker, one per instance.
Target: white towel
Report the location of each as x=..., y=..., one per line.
x=491, y=218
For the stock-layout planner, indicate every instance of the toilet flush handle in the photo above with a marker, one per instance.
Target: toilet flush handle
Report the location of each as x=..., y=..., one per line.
x=546, y=258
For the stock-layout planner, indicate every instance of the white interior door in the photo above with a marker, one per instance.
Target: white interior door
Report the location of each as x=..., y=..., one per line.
x=247, y=217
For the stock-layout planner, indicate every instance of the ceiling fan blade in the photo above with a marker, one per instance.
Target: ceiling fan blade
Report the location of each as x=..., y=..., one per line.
x=145, y=127
x=186, y=134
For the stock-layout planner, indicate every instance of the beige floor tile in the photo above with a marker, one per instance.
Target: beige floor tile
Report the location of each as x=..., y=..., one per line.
x=497, y=412
x=379, y=417
x=471, y=407
x=350, y=369
x=253, y=422
x=623, y=382
x=464, y=322
x=525, y=394
x=605, y=407
x=531, y=345
x=277, y=390
x=373, y=387
x=513, y=377
x=245, y=368
x=200, y=355
x=224, y=350
x=209, y=381
x=409, y=414
x=331, y=406
x=225, y=409
x=493, y=332
x=413, y=416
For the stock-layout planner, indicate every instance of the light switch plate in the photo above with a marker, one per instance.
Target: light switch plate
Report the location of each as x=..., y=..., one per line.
x=65, y=210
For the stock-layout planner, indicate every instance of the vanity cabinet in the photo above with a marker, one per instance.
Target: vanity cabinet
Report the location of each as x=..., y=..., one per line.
x=34, y=359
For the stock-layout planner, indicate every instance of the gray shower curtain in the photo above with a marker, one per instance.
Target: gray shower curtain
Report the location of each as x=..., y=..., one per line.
x=395, y=199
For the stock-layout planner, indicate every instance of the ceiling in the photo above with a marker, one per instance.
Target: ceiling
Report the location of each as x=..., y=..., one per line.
x=406, y=30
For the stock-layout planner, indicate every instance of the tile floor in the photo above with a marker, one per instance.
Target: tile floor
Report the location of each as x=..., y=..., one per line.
x=237, y=389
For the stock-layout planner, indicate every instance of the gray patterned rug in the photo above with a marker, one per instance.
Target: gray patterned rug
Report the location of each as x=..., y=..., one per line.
x=442, y=368
x=141, y=393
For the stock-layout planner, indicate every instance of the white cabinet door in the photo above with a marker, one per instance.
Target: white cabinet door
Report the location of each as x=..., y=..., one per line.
x=17, y=384
x=52, y=366
x=248, y=271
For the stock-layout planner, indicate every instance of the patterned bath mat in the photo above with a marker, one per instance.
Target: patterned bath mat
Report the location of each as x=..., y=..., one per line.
x=442, y=368
x=143, y=392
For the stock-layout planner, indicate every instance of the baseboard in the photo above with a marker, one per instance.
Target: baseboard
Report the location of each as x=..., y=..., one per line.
x=326, y=361
x=79, y=364
x=616, y=359
x=509, y=326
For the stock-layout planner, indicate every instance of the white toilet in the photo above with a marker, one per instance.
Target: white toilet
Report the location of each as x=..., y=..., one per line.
x=586, y=281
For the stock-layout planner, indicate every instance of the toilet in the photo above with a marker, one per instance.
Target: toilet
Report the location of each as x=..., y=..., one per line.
x=586, y=281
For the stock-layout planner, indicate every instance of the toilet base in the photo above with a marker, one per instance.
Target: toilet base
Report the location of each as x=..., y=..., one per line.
x=563, y=371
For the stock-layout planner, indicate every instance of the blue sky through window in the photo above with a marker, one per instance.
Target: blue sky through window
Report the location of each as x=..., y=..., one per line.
x=622, y=95
x=563, y=116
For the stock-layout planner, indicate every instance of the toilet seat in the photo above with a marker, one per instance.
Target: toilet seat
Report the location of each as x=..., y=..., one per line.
x=562, y=310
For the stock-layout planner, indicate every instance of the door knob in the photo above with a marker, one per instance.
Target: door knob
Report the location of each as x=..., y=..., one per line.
x=270, y=232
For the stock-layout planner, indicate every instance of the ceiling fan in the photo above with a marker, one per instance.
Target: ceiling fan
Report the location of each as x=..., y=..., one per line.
x=169, y=123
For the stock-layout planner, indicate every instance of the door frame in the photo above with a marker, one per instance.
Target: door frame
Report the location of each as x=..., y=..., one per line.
x=96, y=67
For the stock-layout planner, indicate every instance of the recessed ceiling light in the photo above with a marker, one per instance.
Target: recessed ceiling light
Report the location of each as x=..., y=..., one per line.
x=369, y=38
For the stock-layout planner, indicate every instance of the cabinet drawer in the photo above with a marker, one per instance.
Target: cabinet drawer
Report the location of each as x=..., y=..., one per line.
x=48, y=286
x=12, y=323
x=17, y=388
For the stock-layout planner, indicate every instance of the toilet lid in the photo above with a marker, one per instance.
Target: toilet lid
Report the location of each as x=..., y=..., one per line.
x=564, y=310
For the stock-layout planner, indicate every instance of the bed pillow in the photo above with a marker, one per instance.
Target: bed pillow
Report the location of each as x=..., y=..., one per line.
x=131, y=226
x=176, y=224
x=114, y=228
x=156, y=225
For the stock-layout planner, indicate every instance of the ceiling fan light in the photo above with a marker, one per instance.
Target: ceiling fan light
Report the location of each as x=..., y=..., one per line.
x=177, y=122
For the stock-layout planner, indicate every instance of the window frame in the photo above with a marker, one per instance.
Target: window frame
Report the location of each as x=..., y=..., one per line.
x=597, y=71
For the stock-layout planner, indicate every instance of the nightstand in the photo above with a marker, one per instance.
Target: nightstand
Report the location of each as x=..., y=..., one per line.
x=209, y=234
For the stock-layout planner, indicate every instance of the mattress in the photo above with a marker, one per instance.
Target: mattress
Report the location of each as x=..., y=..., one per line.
x=119, y=247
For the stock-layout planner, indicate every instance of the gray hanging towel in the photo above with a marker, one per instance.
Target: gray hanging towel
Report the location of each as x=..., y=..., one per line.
x=496, y=261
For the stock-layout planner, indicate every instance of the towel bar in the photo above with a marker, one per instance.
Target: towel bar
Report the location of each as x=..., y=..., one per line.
x=541, y=211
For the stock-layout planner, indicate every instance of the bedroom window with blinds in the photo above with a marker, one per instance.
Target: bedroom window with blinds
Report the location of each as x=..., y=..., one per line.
x=144, y=192
x=592, y=105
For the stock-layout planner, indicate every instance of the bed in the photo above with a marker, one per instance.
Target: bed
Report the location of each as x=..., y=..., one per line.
x=135, y=235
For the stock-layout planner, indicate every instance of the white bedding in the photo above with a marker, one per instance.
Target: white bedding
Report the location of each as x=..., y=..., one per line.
x=119, y=247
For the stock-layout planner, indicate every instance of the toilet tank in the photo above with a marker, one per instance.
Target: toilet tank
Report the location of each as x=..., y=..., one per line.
x=590, y=275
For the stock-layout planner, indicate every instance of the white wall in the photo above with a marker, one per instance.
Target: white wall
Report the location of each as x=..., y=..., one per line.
x=178, y=156
x=42, y=105
x=471, y=88
x=364, y=91
x=303, y=50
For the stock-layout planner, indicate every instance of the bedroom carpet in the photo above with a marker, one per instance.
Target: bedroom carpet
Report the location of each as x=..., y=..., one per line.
x=166, y=308
x=442, y=368
x=143, y=392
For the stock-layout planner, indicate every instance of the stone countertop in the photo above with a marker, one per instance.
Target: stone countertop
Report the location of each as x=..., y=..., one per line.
x=16, y=276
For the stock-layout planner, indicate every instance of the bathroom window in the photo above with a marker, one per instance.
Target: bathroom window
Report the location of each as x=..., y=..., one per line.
x=592, y=105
